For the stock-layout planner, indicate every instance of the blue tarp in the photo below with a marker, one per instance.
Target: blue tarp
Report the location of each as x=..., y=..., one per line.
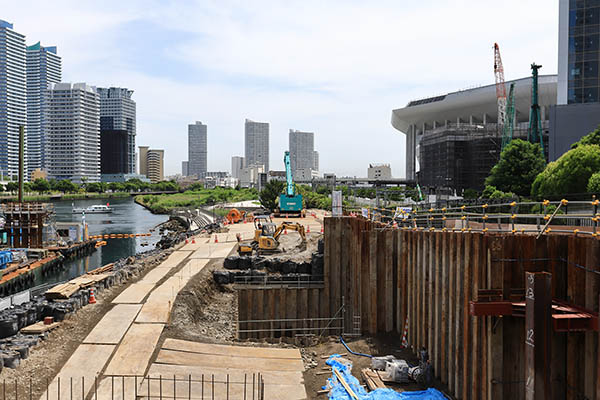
x=338, y=392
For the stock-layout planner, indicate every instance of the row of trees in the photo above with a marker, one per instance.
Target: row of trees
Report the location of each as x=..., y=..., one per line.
x=66, y=186
x=522, y=171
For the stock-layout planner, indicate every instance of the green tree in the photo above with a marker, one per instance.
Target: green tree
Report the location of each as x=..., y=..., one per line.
x=1, y=188
x=66, y=186
x=487, y=192
x=590, y=138
x=470, y=194
x=520, y=163
x=116, y=186
x=12, y=186
x=95, y=187
x=27, y=187
x=40, y=185
x=569, y=174
x=270, y=194
x=593, y=185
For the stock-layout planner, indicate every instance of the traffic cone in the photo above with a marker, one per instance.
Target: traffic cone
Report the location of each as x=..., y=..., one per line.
x=285, y=231
x=321, y=228
x=193, y=240
x=405, y=335
x=92, y=297
x=307, y=228
x=186, y=241
x=216, y=239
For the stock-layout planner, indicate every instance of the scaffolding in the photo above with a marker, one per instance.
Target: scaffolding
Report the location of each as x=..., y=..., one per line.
x=24, y=224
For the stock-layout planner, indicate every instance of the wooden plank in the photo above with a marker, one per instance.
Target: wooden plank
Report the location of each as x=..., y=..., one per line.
x=39, y=327
x=213, y=250
x=467, y=333
x=476, y=367
x=242, y=313
x=372, y=379
x=174, y=259
x=291, y=311
x=401, y=283
x=327, y=247
x=458, y=315
x=86, y=362
x=303, y=309
x=135, y=350
x=389, y=280
x=313, y=299
x=430, y=301
x=451, y=314
x=134, y=294
x=216, y=361
x=495, y=351
x=409, y=289
x=397, y=320
x=260, y=312
x=345, y=271
x=380, y=281
x=336, y=274
x=418, y=285
x=443, y=368
x=365, y=282
x=114, y=324
x=230, y=350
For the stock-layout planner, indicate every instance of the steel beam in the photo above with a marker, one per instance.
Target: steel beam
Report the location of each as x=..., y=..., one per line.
x=490, y=308
x=538, y=335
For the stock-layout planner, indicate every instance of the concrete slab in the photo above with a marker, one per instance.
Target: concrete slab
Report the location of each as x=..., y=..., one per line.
x=213, y=360
x=114, y=324
x=79, y=372
x=134, y=294
x=134, y=352
x=238, y=351
x=174, y=259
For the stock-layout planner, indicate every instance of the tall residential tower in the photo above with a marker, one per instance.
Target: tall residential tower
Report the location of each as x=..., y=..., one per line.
x=13, y=97
x=302, y=152
x=197, y=149
x=73, y=132
x=43, y=68
x=256, y=140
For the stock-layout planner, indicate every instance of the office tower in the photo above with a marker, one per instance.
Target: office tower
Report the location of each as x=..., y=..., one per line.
x=237, y=163
x=72, y=132
x=114, y=151
x=43, y=67
x=152, y=163
x=256, y=143
x=316, y=161
x=197, y=141
x=184, y=168
x=302, y=151
x=118, y=113
x=155, y=163
x=13, y=97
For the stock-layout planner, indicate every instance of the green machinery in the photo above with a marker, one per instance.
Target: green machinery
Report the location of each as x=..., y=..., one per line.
x=535, y=120
x=290, y=202
x=509, y=125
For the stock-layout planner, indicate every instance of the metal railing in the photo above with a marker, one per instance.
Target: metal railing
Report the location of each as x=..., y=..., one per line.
x=119, y=387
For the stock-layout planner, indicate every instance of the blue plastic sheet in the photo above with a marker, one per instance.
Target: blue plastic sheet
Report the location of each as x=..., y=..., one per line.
x=338, y=392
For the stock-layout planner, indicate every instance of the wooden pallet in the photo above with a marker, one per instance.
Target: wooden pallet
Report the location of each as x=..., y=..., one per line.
x=39, y=327
x=372, y=378
x=66, y=290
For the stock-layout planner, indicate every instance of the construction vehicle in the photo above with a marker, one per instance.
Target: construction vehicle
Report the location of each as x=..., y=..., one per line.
x=290, y=202
x=234, y=216
x=266, y=236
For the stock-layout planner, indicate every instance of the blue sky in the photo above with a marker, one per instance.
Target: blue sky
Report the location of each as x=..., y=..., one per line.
x=336, y=68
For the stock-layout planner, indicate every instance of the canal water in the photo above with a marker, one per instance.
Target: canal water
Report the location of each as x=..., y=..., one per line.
x=127, y=217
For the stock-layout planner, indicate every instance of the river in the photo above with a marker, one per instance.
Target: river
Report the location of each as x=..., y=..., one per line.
x=127, y=217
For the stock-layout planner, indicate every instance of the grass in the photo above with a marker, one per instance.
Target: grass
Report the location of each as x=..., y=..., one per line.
x=164, y=203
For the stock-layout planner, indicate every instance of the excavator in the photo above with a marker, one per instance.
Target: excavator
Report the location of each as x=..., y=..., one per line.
x=266, y=236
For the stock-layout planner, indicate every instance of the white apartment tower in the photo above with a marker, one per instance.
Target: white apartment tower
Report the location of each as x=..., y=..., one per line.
x=13, y=97
x=197, y=149
x=73, y=132
x=118, y=112
x=43, y=67
x=256, y=138
x=302, y=150
x=237, y=163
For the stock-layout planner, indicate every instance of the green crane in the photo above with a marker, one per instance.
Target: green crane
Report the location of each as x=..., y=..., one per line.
x=535, y=120
x=509, y=125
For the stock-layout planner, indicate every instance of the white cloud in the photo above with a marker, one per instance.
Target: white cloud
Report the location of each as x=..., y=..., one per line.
x=337, y=68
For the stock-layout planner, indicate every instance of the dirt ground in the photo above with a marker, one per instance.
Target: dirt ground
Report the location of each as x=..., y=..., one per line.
x=49, y=355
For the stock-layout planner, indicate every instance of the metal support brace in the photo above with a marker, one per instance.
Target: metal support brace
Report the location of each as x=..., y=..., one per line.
x=538, y=331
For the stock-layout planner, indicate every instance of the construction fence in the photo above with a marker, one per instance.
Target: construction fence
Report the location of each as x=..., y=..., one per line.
x=465, y=297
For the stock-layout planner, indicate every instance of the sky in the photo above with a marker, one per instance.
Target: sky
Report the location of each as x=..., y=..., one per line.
x=335, y=68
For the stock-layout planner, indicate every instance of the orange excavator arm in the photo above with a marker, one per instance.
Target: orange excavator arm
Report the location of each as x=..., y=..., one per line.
x=292, y=226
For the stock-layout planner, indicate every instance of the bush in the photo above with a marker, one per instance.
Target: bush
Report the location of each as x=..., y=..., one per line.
x=593, y=185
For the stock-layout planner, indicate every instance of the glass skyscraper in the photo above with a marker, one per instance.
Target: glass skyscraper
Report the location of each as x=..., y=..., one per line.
x=197, y=149
x=13, y=97
x=43, y=67
x=256, y=143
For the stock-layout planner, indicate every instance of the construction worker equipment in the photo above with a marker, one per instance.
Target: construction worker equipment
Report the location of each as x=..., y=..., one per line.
x=266, y=236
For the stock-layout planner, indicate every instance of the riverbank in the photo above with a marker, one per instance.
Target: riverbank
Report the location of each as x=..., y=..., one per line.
x=66, y=196
x=165, y=203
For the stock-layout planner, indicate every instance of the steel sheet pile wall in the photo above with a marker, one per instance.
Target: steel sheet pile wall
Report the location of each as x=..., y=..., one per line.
x=386, y=277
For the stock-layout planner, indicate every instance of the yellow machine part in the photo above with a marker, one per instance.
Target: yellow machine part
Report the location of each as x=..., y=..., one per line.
x=267, y=243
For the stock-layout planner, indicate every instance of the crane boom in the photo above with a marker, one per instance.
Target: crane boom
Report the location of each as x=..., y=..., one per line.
x=288, y=174
x=500, y=85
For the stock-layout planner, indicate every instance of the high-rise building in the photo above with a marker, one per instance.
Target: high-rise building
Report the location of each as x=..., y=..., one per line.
x=13, y=97
x=114, y=151
x=256, y=138
x=72, y=132
x=302, y=150
x=237, y=163
x=197, y=149
x=316, y=161
x=118, y=113
x=43, y=67
x=577, y=112
x=185, y=168
x=152, y=163
x=155, y=162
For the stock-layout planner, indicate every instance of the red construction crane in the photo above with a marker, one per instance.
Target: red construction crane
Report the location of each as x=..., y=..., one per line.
x=500, y=86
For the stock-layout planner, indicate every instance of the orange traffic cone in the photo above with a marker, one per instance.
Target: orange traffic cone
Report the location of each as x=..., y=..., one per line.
x=307, y=228
x=404, y=343
x=186, y=241
x=285, y=231
x=321, y=228
x=193, y=240
x=216, y=239
x=92, y=297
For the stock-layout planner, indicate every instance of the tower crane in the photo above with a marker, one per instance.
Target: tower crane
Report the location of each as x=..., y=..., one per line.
x=500, y=86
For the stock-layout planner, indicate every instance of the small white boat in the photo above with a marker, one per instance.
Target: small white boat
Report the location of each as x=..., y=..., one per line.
x=95, y=209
